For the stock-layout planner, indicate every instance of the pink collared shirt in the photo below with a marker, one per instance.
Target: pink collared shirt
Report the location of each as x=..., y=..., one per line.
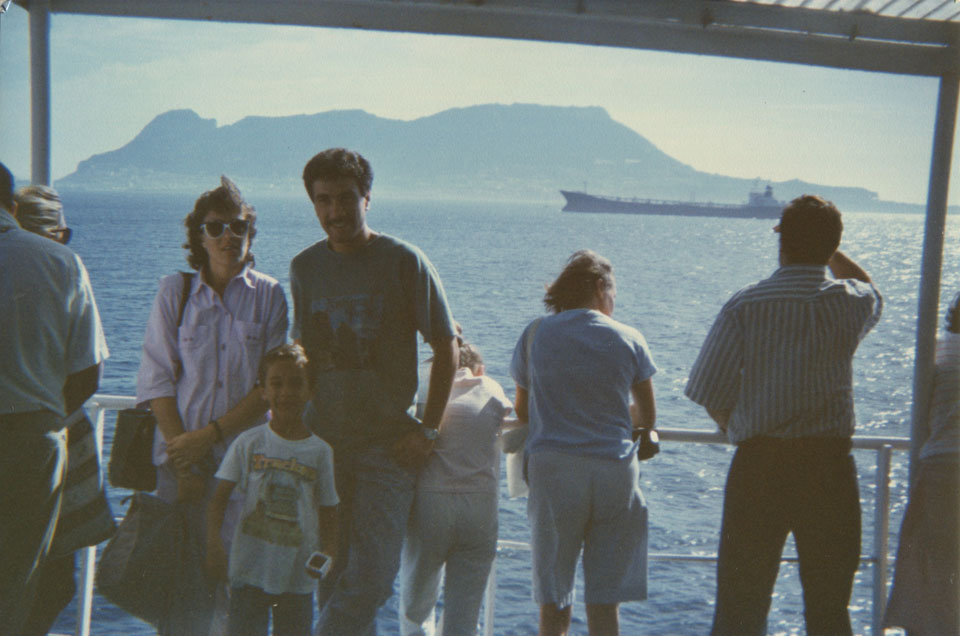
x=220, y=344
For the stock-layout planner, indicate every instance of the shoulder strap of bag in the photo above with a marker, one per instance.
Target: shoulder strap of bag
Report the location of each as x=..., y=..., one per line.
x=184, y=296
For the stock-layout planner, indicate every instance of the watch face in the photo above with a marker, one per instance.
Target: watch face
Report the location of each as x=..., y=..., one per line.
x=654, y=437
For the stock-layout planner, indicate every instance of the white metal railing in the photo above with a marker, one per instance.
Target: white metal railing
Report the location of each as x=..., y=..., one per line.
x=883, y=446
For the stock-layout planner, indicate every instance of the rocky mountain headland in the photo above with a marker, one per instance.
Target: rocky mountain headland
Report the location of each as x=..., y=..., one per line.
x=519, y=152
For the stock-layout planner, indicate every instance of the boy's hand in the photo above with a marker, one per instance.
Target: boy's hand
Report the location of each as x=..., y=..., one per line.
x=216, y=561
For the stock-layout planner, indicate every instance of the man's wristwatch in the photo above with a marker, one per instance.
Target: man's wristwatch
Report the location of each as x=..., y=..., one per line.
x=429, y=433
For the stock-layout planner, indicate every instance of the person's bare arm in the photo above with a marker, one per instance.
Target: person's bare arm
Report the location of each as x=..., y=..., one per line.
x=216, y=559
x=413, y=449
x=842, y=266
x=79, y=386
x=522, y=404
x=185, y=449
x=328, y=520
x=645, y=413
x=446, y=355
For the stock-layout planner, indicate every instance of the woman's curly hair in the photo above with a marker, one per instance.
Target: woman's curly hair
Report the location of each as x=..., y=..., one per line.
x=577, y=283
x=225, y=199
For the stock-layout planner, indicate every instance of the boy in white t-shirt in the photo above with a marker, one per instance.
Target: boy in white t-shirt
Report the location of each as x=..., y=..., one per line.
x=285, y=476
x=453, y=524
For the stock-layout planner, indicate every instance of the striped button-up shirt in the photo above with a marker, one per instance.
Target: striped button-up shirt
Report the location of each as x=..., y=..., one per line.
x=779, y=356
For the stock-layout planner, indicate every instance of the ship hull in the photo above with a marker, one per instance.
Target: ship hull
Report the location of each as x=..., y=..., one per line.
x=583, y=202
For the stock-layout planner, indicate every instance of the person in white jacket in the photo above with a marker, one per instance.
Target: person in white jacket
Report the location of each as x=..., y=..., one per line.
x=453, y=524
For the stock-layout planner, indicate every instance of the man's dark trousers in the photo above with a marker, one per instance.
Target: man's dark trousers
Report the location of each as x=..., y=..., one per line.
x=807, y=486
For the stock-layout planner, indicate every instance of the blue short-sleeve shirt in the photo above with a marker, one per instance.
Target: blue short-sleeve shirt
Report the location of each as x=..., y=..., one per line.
x=578, y=375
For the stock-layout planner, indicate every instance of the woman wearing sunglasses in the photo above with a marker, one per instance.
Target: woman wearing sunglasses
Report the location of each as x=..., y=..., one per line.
x=204, y=340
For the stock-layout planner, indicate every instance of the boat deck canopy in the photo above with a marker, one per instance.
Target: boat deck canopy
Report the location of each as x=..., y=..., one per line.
x=915, y=37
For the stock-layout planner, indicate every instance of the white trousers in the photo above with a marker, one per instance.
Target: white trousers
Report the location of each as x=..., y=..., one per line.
x=454, y=534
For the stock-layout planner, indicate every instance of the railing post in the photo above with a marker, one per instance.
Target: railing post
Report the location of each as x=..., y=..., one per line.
x=88, y=556
x=88, y=559
x=881, y=537
x=489, y=598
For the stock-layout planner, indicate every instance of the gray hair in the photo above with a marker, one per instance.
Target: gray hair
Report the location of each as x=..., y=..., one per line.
x=39, y=209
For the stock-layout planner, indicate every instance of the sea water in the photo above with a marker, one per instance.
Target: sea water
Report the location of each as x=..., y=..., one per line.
x=673, y=274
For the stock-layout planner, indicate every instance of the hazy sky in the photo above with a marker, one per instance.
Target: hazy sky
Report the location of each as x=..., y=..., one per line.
x=111, y=76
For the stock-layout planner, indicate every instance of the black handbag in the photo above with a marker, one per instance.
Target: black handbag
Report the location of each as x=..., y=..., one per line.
x=131, y=456
x=153, y=569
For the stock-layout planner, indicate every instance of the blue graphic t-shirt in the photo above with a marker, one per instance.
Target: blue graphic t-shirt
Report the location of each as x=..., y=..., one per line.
x=281, y=482
x=358, y=315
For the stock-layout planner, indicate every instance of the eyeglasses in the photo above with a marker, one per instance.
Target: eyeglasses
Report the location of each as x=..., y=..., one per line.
x=61, y=235
x=214, y=229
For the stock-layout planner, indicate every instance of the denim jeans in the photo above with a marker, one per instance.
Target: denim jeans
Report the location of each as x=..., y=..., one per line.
x=375, y=499
x=33, y=451
x=250, y=609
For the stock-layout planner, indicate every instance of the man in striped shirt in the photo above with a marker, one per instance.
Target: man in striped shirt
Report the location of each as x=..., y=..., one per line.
x=775, y=373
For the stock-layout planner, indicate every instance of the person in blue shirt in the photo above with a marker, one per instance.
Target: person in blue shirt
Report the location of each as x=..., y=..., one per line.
x=53, y=350
x=576, y=371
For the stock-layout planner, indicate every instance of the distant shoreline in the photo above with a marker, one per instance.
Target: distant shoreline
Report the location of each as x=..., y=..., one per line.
x=875, y=207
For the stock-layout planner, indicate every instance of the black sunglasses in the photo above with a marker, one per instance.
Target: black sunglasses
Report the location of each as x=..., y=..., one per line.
x=214, y=229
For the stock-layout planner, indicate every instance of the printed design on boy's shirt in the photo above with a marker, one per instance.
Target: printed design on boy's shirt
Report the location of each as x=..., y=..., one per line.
x=261, y=462
x=276, y=515
x=343, y=331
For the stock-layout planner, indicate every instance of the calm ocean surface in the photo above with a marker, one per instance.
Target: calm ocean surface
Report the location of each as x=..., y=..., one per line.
x=673, y=274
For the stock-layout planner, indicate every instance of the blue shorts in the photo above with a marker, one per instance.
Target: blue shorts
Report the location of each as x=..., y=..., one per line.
x=590, y=504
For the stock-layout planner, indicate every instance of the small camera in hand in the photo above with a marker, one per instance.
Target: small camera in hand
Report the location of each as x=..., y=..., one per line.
x=649, y=443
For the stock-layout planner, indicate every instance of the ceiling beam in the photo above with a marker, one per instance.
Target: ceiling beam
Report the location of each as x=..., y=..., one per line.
x=859, y=41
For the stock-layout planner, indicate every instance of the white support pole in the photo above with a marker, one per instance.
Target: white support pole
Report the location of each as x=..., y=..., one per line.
x=489, y=598
x=931, y=268
x=881, y=536
x=40, y=91
x=88, y=556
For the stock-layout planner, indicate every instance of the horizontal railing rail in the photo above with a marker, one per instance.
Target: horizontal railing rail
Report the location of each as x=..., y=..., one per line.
x=879, y=557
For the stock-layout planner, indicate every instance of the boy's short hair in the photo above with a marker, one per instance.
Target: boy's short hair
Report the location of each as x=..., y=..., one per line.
x=288, y=351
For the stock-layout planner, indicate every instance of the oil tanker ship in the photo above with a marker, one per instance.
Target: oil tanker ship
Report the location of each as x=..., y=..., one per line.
x=759, y=205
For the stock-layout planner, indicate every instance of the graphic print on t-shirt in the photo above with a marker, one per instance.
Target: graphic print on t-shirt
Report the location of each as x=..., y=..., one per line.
x=276, y=516
x=342, y=332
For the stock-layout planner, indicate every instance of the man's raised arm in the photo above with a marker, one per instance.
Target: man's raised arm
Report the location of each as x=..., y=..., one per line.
x=842, y=266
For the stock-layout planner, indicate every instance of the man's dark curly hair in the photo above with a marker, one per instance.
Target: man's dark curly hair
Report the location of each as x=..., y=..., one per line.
x=810, y=230
x=225, y=199
x=338, y=163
